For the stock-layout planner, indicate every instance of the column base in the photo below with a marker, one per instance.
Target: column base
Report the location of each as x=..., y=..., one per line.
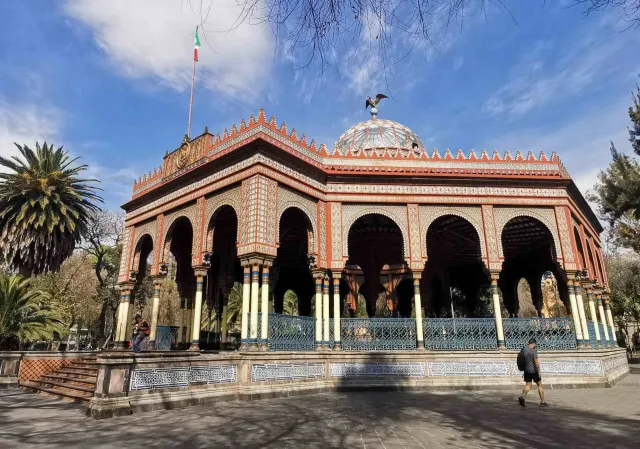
x=152, y=344
x=318, y=346
x=581, y=345
x=195, y=346
x=244, y=346
x=420, y=345
x=337, y=346
x=264, y=346
x=501, y=346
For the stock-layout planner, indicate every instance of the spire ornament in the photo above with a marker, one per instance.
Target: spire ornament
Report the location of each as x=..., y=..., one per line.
x=374, y=104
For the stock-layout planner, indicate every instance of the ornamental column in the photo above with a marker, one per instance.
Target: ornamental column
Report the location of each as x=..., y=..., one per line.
x=255, y=288
x=583, y=317
x=497, y=311
x=246, y=291
x=187, y=318
x=592, y=311
x=603, y=319
x=325, y=313
x=157, y=283
x=337, y=345
x=181, y=320
x=418, y=308
x=607, y=308
x=574, y=312
x=318, y=276
x=123, y=314
x=200, y=273
x=264, y=307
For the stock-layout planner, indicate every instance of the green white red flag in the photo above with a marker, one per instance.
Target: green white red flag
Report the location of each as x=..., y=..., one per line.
x=197, y=46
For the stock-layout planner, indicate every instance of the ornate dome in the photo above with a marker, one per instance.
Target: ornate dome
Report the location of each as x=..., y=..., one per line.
x=378, y=136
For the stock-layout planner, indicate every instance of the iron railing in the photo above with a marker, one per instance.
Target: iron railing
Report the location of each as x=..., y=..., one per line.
x=459, y=333
x=611, y=343
x=592, y=335
x=378, y=334
x=550, y=333
x=291, y=333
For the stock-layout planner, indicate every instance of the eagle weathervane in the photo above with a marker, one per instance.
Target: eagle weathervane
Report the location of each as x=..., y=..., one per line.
x=374, y=104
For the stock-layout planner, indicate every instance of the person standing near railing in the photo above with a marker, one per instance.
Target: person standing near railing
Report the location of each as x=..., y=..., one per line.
x=142, y=331
x=531, y=372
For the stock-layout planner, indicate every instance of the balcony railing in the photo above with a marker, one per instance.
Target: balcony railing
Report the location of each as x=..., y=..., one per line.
x=550, y=333
x=378, y=334
x=459, y=333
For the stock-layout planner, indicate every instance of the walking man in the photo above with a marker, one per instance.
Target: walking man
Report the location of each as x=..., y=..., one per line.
x=531, y=372
x=142, y=331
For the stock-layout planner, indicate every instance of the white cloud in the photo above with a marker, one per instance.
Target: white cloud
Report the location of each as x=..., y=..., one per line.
x=26, y=124
x=155, y=40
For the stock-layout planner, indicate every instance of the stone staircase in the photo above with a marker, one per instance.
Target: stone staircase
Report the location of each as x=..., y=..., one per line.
x=75, y=382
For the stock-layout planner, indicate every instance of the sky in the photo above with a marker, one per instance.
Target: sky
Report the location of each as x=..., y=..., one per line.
x=111, y=81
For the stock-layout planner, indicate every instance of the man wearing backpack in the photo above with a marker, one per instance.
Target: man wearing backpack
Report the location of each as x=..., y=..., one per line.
x=529, y=357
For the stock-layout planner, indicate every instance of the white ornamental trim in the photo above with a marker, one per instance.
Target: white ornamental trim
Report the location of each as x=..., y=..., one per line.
x=411, y=369
x=154, y=378
x=500, y=368
x=289, y=371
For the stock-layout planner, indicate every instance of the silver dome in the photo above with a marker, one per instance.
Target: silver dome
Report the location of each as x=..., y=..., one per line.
x=378, y=134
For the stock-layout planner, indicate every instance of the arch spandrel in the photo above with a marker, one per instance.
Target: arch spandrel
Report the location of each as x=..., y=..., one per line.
x=170, y=219
x=288, y=199
x=429, y=214
x=352, y=212
x=214, y=203
x=147, y=229
x=140, y=239
x=544, y=215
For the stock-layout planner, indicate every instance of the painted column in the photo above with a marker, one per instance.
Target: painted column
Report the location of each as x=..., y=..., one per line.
x=574, y=312
x=337, y=345
x=255, y=288
x=197, y=309
x=325, y=312
x=497, y=311
x=318, y=305
x=116, y=336
x=583, y=317
x=128, y=329
x=607, y=308
x=264, y=330
x=244, y=324
x=187, y=319
x=418, y=308
x=157, y=283
x=603, y=319
x=594, y=315
x=123, y=327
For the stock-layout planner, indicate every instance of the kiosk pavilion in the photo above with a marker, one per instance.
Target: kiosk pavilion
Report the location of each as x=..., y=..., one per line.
x=377, y=216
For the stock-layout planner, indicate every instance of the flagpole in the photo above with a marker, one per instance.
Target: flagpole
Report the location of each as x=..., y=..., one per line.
x=193, y=85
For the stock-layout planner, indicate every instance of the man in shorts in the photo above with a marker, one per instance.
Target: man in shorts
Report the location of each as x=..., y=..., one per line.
x=532, y=373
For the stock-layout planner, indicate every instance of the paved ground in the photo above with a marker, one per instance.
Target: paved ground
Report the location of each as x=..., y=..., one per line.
x=577, y=418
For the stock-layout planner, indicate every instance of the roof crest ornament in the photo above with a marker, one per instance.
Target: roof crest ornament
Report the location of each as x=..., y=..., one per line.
x=374, y=104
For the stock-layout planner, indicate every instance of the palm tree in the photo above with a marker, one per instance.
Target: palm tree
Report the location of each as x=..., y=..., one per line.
x=24, y=312
x=234, y=304
x=290, y=303
x=46, y=208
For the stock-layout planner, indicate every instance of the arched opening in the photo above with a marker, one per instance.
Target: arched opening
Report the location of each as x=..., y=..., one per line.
x=552, y=302
x=529, y=251
x=404, y=291
x=181, y=238
x=140, y=273
x=291, y=266
x=375, y=245
x=454, y=270
x=218, y=319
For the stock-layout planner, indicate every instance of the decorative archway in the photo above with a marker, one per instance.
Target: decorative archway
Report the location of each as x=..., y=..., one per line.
x=351, y=213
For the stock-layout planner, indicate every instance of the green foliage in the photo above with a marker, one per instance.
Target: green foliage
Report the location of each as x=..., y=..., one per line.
x=234, y=304
x=618, y=190
x=46, y=208
x=25, y=313
x=290, y=303
x=361, y=308
x=624, y=282
x=382, y=307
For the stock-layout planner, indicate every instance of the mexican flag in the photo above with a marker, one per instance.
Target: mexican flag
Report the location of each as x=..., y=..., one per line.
x=197, y=45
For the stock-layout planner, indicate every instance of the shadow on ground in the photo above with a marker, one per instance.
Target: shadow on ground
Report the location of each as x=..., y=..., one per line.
x=577, y=418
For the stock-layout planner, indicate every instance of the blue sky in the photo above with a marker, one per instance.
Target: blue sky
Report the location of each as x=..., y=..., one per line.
x=110, y=81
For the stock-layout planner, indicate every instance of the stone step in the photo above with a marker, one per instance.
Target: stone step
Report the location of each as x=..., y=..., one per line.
x=80, y=370
x=84, y=365
x=66, y=378
x=75, y=373
x=77, y=397
x=66, y=385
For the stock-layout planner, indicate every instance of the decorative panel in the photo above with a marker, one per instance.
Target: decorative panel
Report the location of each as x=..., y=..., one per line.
x=336, y=231
x=157, y=253
x=397, y=213
x=322, y=223
x=545, y=215
x=565, y=368
x=383, y=369
x=124, y=258
x=414, y=232
x=614, y=363
x=249, y=212
x=230, y=198
x=473, y=214
x=154, y=378
x=196, y=247
x=287, y=371
x=565, y=237
x=490, y=231
x=500, y=368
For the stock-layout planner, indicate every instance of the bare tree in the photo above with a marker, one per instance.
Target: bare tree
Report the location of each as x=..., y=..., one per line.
x=103, y=243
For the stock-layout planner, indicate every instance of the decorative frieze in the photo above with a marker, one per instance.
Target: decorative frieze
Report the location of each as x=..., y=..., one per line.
x=490, y=232
x=287, y=371
x=322, y=220
x=545, y=215
x=336, y=232
x=614, y=363
x=565, y=237
x=383, y=369
x=123, y=273
x=566, y=368
x=414, y=232
x=154, y=378
x=500, y=368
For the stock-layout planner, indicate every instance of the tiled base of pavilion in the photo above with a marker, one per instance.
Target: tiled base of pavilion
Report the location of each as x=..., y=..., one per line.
x=165, y=380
